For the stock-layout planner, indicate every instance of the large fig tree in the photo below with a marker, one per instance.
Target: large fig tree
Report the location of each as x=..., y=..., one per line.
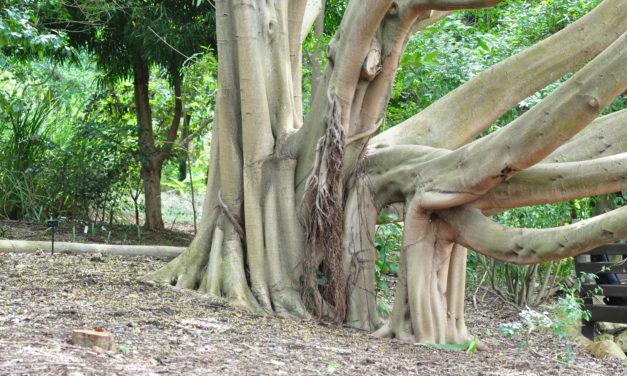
x=292, y=201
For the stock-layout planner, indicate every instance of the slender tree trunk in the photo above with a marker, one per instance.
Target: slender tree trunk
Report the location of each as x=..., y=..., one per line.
x=151, y=177
x=150, y=171
x=152, y=157
x=184, y=154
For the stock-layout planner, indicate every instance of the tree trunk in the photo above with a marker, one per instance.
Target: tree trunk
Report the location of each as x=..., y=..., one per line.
x=151, y=177
x=152, y=157
x=291, y=207
x=184, y=154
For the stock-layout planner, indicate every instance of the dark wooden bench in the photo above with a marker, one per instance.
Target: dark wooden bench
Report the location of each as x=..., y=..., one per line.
x=603, y=312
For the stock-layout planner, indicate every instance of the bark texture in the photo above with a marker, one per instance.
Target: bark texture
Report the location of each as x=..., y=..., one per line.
x=292, y=202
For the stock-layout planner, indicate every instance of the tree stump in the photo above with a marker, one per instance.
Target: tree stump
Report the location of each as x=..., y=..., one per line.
x=90, y=338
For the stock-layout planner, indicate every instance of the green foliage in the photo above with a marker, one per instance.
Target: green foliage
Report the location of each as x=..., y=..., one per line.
x=66, y=144
x=388, y=241
x=470, y=347
x=443, y=56
x=563, y=318
x=123, y=33
x=21, y=34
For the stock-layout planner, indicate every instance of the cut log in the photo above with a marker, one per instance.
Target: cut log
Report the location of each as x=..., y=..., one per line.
x=91, y=338
x=23, y=246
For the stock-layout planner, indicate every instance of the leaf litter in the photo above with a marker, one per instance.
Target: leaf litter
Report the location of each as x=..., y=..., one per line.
x=159, y=330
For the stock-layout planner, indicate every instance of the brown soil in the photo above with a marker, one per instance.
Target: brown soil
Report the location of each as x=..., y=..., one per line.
x=160, y=330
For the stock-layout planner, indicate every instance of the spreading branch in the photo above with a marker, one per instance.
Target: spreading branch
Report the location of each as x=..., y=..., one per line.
x=457, y=4
x=204, y=123
x=529, y=246
x=312, y=10
x=553, y=182
x=472, y=170
x=605, y=136
x=461, y=115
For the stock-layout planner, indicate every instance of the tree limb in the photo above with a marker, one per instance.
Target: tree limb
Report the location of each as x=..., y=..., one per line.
x=552, y=182
x=233, y=218
x=473, y=169
x=350, y=47
x=295, y=14
x=529, y=246
x=461, y=115
x=312, y=10
x=201, y=127
x=340, y=82
x=457, y=4
x=432, y=17
x=605, y=136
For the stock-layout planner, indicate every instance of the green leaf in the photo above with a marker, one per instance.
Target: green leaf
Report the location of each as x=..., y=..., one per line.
x=331, y=367
x=321, y=281
x=462, y=346
x=411, y=60
x=483, y=44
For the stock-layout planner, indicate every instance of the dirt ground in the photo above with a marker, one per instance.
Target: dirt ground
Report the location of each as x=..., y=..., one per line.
x=164, y=331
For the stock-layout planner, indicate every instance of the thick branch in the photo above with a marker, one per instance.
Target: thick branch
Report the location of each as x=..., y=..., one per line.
x=530, y=246
x=606, y=135
x=347, y=53
x=295, y=15
x=378, y=73
x=432, y=17
x=393, y=170
x=176, y=119
x=552, y=182
x=350, y=47
x=460, y=116
x=474, y=169
x=312, y=10
x=457, y=4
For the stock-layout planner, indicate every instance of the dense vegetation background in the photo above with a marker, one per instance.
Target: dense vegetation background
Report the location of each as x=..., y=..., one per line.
x=68, y=135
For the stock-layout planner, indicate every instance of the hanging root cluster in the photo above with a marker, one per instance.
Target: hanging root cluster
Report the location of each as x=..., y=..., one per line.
x=323, y=210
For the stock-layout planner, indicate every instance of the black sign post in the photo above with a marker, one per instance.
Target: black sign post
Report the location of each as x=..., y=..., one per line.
x=52, y=224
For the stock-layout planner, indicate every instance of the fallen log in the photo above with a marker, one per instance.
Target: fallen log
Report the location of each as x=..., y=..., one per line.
x=24, y=246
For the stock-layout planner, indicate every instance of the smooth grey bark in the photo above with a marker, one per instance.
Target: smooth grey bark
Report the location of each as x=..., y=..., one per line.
x=292, y=202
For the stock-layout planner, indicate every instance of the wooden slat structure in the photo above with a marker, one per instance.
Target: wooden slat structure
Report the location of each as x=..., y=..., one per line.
x=599, y=312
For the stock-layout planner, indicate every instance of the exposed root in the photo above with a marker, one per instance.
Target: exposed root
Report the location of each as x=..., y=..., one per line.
x=429, y=301
x=323, y=207
x=364, y=134
x=234, y=218
x=359, y=254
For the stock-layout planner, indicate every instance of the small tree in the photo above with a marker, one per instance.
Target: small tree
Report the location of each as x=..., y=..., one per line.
x=128, y=37
x=292, y=200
